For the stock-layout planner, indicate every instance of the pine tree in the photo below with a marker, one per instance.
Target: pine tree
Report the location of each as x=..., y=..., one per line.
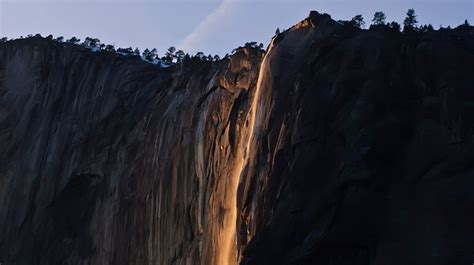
x=277, y=32
x=136, y=52
x=358, y=21
x=146, y=54
x=170, y=55
x=91, y=42
x=171, y=50
x=379, y=18
x=410, y=21
x=179, y=56
x=154, y=54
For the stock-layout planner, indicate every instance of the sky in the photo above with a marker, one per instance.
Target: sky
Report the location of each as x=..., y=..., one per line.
x=210, y=26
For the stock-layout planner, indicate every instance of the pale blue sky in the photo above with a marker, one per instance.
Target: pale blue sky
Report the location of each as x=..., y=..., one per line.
x=211, y=26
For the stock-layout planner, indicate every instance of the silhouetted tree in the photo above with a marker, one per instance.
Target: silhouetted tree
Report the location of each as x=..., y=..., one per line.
x=251, y=44
x=4, y=39
x=277, y=31
x=169, y=55
x=49, y=37
x=73, y=40
x=110, y=48
x=136, y=52
x=379, y=18
x=394, y=25
x=200, y=55
x=179, y=56
x=86, y=42
x=91, y=42
x=426, y=28
x=410, y=21
x=464, y=25
x=154, y=53
x=217, y=58
x=37, y=35
x=186, y=57
x=127, y=51
x=260, y=46
x=59, y=39
x=358, y=21
x=146, y=54
x=172, y=50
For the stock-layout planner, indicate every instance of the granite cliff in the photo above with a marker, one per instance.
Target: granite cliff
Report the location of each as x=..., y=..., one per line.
x=335, y=146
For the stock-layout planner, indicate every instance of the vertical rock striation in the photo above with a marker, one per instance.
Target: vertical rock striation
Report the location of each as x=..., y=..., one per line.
x=337, y=146
x=109, y=160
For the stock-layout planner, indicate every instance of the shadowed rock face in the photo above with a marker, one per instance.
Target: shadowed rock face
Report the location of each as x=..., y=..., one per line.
x=364, y=150
x=110, y=160
x=340, y=146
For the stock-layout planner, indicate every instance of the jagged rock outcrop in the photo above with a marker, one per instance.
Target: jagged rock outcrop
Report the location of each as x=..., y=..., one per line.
x=339, y=146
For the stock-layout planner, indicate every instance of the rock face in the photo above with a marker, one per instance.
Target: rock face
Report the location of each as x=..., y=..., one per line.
x=338, y=146
x=109, y=160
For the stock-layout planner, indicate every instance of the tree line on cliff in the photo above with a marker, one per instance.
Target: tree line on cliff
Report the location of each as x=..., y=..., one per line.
x=410, y=23
x=173, y=56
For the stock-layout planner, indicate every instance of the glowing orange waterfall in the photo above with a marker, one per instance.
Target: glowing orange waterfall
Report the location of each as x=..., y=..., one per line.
x=228, y=240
